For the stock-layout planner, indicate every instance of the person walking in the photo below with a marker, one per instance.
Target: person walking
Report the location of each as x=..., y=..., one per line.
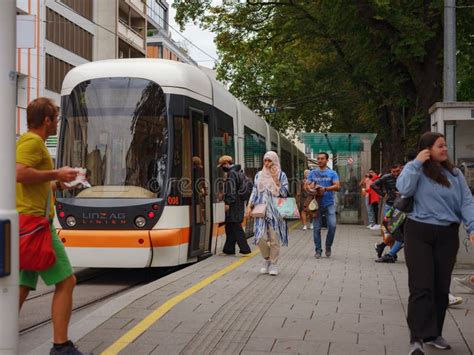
x=442, y=200
x=34, y=176
x=327, y=181
x=270, y=230
x=234, y=207
x=304, y=195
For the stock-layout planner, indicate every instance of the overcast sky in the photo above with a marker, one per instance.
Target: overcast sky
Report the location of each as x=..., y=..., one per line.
x=200, y=38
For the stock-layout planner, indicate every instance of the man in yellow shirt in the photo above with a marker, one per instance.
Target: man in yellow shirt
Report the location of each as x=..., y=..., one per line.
x=35, y=177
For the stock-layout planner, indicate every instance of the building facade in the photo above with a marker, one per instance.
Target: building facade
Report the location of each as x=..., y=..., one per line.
x=68, y=33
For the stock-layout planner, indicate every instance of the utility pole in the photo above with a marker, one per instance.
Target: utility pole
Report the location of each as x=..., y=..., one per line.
x=449, y=71
x=8, y=216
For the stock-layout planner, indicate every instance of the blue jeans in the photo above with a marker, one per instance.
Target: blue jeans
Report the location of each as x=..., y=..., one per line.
x=395, y=248
x=370, y=211
x=330, y=213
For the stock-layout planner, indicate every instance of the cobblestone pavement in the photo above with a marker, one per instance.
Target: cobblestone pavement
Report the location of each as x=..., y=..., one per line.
x=346, y=304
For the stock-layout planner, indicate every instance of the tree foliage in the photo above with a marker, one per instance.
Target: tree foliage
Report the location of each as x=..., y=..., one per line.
x=340, y=65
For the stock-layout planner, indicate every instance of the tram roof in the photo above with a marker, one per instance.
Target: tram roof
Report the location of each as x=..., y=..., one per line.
x=166, y=73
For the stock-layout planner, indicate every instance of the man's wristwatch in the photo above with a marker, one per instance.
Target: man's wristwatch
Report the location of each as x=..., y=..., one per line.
x=58, y=185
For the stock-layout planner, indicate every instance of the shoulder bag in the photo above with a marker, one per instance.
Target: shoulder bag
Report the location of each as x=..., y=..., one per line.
x=404, y=204
x=36, y=241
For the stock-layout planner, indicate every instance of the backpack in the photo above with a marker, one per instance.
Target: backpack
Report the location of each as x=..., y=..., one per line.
x=245, y=188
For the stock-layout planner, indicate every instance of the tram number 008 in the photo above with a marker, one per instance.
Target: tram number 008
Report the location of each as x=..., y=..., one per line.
x=173, y=200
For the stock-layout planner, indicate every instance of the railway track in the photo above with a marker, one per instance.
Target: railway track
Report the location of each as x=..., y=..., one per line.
x=93, y=286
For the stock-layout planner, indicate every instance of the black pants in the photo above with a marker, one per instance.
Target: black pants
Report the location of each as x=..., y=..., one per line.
x=235, y=234
x=430, y=254
x=375, y=207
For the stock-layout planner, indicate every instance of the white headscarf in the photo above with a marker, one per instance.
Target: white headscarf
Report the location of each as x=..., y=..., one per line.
x=266, y=176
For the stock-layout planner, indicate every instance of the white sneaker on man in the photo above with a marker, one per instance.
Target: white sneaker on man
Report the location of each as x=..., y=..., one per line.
x=265, y=267
x=369, y=226
x=304, y=227
x=273, y=270
x=375, y=227
x=311, y=226
x=465, y=282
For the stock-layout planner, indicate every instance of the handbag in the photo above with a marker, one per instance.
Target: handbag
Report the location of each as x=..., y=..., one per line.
x=259, y=210
x=404, y=204
x=313, y=205
x=393, y=220
x=36, y=241
x=287, y=207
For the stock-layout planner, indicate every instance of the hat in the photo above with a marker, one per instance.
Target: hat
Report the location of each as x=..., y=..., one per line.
x=224, y=159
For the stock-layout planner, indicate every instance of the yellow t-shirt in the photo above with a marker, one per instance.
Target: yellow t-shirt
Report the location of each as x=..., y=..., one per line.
x=31, y=198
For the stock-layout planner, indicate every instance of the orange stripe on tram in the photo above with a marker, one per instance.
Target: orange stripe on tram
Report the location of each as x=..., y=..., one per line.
x=123, y=239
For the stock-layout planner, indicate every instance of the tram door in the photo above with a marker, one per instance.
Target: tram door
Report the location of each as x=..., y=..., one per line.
x=201, y=202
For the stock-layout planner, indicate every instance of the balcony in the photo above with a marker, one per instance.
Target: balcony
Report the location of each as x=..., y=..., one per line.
x=131, y=36
x=139, y=4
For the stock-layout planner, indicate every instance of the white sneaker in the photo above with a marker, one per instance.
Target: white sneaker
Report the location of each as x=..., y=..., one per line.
x=265, y=266
x=273, y=270
x=454, y=301
x=311, y=226
x=304, y=227
x=465, y=282
x=375, y=227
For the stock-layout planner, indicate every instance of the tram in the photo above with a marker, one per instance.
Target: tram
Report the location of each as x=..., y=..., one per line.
x=149, y=132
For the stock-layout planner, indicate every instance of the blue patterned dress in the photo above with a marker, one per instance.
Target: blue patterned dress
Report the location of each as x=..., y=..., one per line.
x=273, y=217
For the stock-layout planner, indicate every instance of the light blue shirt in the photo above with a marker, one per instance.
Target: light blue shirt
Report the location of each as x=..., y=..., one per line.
x=435, y=203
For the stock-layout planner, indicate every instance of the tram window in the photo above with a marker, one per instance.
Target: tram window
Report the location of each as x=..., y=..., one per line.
x=254, y=149
x=274, y=147
x=181, y=173
x=116, y=128
x=285, y=161
x=223, y=144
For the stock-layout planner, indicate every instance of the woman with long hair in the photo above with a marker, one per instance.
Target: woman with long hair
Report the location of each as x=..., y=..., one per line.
x=270, y=229
x=442, y=200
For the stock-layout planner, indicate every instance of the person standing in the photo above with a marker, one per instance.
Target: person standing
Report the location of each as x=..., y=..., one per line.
x=34, y=177
x=386, y=187
x=271, y=230
x=328, y=182
x=442, y=200
x=234, y=208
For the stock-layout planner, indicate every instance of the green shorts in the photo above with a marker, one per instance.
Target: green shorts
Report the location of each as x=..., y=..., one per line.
x=60, y=271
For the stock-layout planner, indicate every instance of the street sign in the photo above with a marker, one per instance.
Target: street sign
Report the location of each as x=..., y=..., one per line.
x=271, y=109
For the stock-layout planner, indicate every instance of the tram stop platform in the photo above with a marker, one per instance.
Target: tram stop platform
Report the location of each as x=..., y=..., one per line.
x=346, y=304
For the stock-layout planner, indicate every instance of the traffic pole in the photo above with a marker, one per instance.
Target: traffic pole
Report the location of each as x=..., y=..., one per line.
x=449, y=70
x=9, y=290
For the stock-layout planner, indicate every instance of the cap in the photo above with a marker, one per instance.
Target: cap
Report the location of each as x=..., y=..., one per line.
x=224, y=159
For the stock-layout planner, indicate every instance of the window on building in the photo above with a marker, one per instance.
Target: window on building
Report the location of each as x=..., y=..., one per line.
x=68, y=35
x=82, y=7
x=158, y=13
x=56, y=70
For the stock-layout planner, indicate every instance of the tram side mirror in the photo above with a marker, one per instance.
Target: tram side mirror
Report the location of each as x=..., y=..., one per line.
x=5, y=248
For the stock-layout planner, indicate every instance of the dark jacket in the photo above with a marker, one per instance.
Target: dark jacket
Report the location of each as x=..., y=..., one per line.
x=236, y=204
x=386, y=185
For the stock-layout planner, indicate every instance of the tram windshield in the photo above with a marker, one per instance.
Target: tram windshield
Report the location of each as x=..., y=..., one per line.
x=116, y=128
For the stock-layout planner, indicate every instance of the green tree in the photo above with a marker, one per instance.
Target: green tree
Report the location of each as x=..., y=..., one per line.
x=344, y=65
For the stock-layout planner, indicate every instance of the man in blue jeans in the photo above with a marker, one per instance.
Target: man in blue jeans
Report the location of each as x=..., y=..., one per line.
x=328, y=181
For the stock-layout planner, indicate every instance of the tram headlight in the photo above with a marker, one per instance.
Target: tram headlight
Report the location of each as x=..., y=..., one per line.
x=140, y=221
x=71, y=221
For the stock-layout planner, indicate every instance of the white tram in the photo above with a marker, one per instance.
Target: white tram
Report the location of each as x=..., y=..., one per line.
x=150, y=133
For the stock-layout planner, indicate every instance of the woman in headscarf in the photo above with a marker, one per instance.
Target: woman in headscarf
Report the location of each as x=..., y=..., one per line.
x=271, y=229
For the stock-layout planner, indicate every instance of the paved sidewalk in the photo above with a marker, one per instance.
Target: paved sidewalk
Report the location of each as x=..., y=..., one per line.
x=346, y=304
